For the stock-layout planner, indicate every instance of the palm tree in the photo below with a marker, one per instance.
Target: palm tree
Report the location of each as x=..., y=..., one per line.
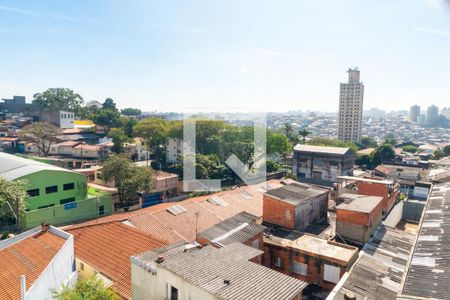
x=289, y=132
x=304, y=133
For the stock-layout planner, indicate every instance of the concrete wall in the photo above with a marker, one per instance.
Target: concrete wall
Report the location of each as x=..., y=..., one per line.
x=148, y=286
x=62, y=214
x=311, y=212
x=395, y=216
x=412, y=210
x=61, y=271
x=321, y=168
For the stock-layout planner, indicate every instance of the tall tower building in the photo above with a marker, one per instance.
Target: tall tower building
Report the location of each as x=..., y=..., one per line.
x=432, y=114
x=351, y=108
x=414, y=113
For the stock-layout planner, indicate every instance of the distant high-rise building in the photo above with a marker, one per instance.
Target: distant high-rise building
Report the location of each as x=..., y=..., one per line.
x=351, y=108
x=446, y=112
x=432, y=114
x=414, y=113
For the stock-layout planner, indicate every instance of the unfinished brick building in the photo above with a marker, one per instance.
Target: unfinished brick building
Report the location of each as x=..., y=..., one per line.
x=357, y=217
x=373, y=186
x=295, y=206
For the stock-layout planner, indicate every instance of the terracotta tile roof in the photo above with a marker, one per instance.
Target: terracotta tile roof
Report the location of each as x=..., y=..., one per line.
x=28, y=257
x=160, y=223
x=107, y=248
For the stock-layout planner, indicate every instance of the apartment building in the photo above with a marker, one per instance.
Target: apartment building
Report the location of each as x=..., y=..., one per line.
x=351, y=107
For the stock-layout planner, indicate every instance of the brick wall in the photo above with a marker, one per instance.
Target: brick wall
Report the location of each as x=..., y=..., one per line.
x=374, y=189
x=315, y=265
x=278, y=212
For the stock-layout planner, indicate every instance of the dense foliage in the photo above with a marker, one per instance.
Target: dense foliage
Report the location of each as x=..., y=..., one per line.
x=86, y=289
x=59, y=99
x=12, y=197
x=127, y=178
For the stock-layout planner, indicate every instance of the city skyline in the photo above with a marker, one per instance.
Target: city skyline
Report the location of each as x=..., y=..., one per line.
x=267, y=55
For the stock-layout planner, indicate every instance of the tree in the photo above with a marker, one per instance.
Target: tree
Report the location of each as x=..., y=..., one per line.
x=271, y=166
x=109, y=104
x=410, y=149
x=290, y=133
x=131, y=111
x=390, y=139
x=368, y=142
x=154, y=131
x=439, y=154
x=447, y=150
x=210, y=167
x=12, y=199
x=382, y=154
x=42, y=134
x=128, y=178
x=118, y=138
x=128, y=125
x=91, y=288
x=364, y=160
x=304, y=133
x=59, y=99
x=106, y=117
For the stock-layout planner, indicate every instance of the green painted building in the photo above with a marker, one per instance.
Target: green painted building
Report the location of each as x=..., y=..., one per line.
x=56, y=195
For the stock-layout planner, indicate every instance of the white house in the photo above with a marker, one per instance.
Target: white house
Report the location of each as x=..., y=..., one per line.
x=35, y=263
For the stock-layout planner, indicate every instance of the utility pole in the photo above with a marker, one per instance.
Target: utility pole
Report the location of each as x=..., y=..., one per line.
x=196, y=224
x=18, y=215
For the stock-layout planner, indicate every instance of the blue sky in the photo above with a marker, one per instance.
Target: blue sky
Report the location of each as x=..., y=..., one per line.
x=275, y=55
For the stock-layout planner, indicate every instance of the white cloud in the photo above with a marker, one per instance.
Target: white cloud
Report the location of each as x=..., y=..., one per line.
x=19, y=11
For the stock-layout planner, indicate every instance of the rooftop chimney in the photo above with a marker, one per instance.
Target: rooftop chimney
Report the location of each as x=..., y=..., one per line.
x=160, y=259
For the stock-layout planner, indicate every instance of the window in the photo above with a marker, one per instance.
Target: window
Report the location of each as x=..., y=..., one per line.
x=278, y=262
x=81, y=266
x=334, y=163
x=255, y=244
x=101, y=210
x=173, y=293
x=301, y=175
x=68, y=186
x=33, y=192
x=68, y=200
x=51, y=189
x=331, y=273
x=46, y=206
x=301, y=269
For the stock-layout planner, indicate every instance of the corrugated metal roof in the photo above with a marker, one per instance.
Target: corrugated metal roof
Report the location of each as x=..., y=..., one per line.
x=296, y=193
x=378, y=272
x=13, y=167
x=224, y=274
x=429, y=269
x=239, y=228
